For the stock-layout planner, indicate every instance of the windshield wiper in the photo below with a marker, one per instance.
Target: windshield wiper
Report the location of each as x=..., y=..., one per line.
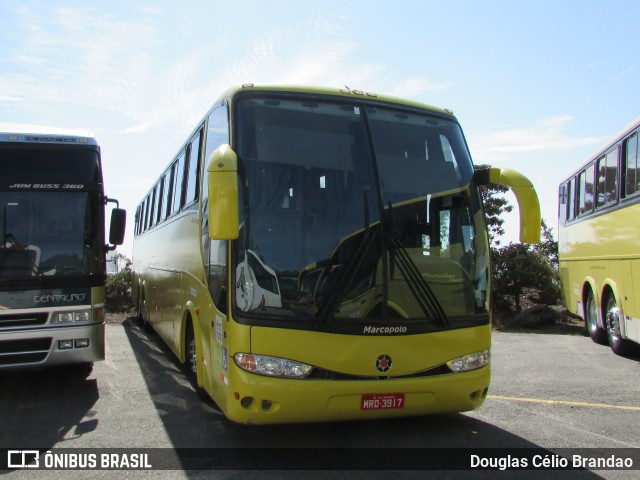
x=347, y=275
x=419, y=287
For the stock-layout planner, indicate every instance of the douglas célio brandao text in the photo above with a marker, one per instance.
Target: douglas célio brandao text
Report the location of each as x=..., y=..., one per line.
x=550, y=461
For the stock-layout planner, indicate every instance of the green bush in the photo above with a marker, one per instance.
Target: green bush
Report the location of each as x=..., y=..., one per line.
x=118, y=288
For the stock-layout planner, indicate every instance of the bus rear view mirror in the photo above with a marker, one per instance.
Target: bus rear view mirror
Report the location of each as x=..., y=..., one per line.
x=117, y=227
x=222, y=180
x=528, y=204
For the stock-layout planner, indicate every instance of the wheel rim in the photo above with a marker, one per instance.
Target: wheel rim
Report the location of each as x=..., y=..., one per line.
x=613, y=321
x=193, y=357
x=592, y=316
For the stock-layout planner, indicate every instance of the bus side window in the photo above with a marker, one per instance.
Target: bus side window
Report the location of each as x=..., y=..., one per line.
x=152, y=213
x=607, y=167
x=145, y=224
x=177, y=172
x=167, y=193
x=214, y=251
x=217, y=132
x=563, y=201
x=136, y=222
x=159, y=216
x=567, y=201
x=192, y=169
x=631, y=170
x=585, y=194
x=571, y=199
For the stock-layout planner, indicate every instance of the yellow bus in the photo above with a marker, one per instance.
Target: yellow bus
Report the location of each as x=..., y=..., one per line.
x=321, y=254
x=598, y=244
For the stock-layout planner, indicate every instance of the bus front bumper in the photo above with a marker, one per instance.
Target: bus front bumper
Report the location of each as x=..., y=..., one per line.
x=264, y=400
x=44, y=347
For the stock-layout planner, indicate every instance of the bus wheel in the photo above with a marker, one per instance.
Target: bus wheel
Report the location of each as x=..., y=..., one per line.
x=594, y=330
x=613, y=317
x=142, y=315
x=191, y=363
x=191, y=354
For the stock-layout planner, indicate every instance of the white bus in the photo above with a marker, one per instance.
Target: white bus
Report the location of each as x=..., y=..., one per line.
x=52, y=254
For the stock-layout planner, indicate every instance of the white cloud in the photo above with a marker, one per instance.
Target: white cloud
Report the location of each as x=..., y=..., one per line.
x=544, y=136
x=35, y=128
x=143, y=127
x=415, y=86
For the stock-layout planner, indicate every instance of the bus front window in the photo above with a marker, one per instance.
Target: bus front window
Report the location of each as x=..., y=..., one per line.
x=47, y=234
x=350, y=211
x=51, y=219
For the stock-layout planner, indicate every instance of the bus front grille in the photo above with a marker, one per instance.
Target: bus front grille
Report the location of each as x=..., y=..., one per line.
x=20, y=352
x=22, y=320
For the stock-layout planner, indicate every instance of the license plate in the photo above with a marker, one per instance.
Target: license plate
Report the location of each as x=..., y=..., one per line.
x=381, y=401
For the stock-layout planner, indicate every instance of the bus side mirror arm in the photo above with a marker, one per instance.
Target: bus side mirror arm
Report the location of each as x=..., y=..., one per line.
x=528, y=203
x=222, y=182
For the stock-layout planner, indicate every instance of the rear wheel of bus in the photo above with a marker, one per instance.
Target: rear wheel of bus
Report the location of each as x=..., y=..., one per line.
x=142, y=313
x=613, y=317
x=191, y=361
x=597, y=333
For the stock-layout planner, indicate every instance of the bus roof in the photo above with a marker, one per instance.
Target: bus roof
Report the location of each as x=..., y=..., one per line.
x=16, y=133
x=341, y=92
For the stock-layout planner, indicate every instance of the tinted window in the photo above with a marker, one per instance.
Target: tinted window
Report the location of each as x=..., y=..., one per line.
x=607, y=186
x=33, y=165
x=178, y=175
x=585, y=195
x=563, y=202
x=632, y=174
x=217, y=131
x=152, y=216
x=166, y=201
x=160, y=201
x=192, y=170
x=572, y=199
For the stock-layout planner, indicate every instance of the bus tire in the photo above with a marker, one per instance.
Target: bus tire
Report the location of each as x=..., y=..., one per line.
x=613, y=317
x=191, y=361
x=597, y=333
x=142, y=314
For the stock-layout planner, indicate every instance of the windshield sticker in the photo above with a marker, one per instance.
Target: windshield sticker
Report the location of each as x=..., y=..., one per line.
x=218, y=329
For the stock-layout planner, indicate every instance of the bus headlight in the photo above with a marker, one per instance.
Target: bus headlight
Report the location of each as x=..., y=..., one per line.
x=271, y=366
x=472, y=361
x=78, y=316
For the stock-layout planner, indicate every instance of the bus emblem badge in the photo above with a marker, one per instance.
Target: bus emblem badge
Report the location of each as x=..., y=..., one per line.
x=383, y=363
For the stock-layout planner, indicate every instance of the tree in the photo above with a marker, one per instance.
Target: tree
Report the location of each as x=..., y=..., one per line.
x=118, y=287
x=548, y=247
x=518, y=268
x=495, y=205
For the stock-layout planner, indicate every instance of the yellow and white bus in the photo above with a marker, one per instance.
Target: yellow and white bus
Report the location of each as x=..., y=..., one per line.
x=321, y=254
x=52, y=254
x=598, y=245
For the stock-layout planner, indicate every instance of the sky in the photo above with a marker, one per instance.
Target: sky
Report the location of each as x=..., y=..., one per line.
x=538, y=86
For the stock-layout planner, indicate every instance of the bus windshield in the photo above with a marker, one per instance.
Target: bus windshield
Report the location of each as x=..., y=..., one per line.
x=50, y=218
x=351, y=210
